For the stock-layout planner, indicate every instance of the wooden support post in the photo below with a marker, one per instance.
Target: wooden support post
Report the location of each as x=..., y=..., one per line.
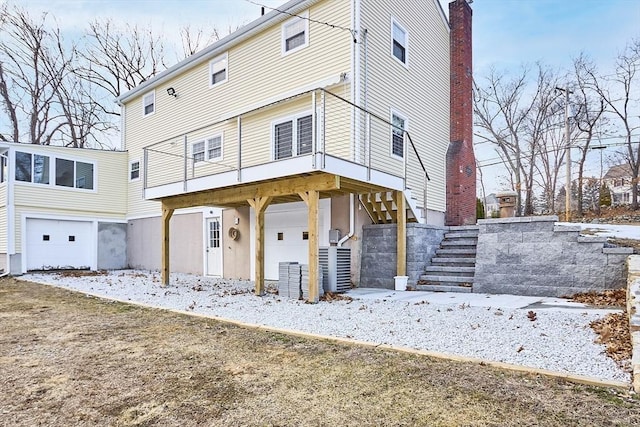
x=312, y=199
x=259, y=205
x=401, y=268
x=167, y=213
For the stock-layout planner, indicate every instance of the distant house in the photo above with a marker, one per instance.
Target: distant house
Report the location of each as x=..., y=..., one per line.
x=491, y=206
x=619, y=181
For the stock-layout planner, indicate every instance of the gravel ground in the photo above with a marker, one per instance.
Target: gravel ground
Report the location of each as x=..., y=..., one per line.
x=557, y=340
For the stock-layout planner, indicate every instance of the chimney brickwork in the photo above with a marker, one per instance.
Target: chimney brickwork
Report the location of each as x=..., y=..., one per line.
x=461, y=164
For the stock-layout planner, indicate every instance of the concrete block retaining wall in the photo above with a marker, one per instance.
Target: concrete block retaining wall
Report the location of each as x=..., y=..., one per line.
x=532, y=256
x=379, y=258
x=633, y=310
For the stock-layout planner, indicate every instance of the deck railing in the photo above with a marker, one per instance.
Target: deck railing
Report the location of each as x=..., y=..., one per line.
x=340, y=129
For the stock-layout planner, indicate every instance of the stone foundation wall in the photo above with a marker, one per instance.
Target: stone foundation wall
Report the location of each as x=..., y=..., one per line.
x=532, y=256
x=378, y=265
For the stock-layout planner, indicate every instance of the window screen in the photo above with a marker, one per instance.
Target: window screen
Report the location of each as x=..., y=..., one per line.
x=215, y=148
x=295, y=34
x=305, y=135
x=218, y=70
x=399, y=43
x=84, y=175
x=197, y=151
x=283, y=138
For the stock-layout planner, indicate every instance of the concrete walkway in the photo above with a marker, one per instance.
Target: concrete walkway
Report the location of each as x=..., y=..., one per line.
x=476, y=300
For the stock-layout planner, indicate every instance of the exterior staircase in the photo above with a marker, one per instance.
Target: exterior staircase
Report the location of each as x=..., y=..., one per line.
x=453, y=267
x=382, y=209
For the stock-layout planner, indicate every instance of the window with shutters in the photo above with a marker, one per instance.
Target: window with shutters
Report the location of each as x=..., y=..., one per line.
x=293, y=137
x=295, y=33
x=399, y=43
x=218, y=70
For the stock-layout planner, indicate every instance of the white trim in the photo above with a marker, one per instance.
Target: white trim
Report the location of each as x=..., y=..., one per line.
x=396, y=23
x=123, y=127
x=144, y=104
x=131, y=162
x=223, y=57
x=207, y=214
x=93, y=238
x=304, y=16
x=395, y=112
x=294, y=133
x=207, y=148
x=53, y=169
x=184, y=211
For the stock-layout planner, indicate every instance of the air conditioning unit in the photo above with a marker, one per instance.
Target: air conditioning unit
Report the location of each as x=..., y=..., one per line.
x=336, y=268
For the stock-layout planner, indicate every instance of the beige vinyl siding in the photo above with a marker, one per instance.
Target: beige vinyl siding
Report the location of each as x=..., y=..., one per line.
x=3, y=194
x=107, y=200
x=420, y=92
x=257, y=73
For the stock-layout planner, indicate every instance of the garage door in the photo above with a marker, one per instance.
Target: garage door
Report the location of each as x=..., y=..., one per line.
x=286, y=234
x=55, y=244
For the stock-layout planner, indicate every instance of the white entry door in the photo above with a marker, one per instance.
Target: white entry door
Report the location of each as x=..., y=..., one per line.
x=214, y=250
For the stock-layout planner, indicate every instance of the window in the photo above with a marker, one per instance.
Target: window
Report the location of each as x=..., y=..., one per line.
x=197, y=152
x=149, y=103
x=218, y=70
x=134, y=170
x=3, y=168
x=214, y=148
x=399, y=126
x=399, y=42
x=295, y=33
x=300, y=130
x=208, y=149
x=74, y=174
x=32, y=168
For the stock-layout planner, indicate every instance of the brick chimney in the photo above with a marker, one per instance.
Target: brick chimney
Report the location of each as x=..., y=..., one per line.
x=461, y=164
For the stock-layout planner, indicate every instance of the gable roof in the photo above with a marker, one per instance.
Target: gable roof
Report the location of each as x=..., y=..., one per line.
x=618, y=171
x=267, y=20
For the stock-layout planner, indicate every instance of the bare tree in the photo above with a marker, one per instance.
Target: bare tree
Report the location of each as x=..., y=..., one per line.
x=117, y=59
x=621, y=95
x=589, y=110
x=514, y=117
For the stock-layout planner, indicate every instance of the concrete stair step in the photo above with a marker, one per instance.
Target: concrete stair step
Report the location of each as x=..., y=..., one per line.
x=446, y=269
x=456, y=251
x=461, y=235
x=443, y=288
x=446, y=279
x=450, y=260
x=463, y=228
x=459, y=242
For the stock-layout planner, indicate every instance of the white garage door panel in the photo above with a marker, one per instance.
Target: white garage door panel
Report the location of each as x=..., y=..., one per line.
x=291, y=222
x=56, y=244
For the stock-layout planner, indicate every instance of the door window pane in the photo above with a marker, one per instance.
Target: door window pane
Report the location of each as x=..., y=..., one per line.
x=305, y=135
x=283, y=140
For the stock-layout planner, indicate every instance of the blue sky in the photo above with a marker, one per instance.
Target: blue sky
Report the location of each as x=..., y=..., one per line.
x=507, y=33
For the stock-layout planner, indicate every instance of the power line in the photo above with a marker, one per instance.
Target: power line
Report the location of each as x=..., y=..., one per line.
x=328, y=24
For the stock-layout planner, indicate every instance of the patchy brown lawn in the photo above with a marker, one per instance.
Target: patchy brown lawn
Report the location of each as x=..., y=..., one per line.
x=68, y=359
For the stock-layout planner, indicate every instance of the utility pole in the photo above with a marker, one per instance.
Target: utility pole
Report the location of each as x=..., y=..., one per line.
x=567, y=208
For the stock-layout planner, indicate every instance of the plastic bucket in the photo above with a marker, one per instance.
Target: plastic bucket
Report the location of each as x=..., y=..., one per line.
x=401, y=282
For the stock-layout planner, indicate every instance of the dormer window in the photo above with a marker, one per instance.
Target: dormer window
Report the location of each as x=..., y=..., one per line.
x=149, y=103
x=295, y=33
x=218, y=70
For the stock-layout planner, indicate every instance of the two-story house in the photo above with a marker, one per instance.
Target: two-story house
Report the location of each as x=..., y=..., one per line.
x=321, y=115
x=618, y=180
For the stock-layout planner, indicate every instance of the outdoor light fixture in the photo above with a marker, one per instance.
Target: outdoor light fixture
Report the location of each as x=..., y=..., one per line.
x=172, y=92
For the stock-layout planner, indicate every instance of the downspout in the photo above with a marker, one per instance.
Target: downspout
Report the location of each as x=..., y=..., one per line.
x=10, y=213
x=352, y=220
x=355, y=90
